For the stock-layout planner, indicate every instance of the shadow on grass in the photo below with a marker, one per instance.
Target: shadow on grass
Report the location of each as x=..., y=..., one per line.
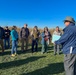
x=51, y=69
x=19, y=62
x=8, y=52
x=49, y=48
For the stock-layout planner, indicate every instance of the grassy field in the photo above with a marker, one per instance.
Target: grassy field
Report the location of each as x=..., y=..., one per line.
x=31, y=64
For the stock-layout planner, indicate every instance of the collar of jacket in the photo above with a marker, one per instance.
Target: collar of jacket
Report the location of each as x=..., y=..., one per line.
x=71, y=24
x=24, y=28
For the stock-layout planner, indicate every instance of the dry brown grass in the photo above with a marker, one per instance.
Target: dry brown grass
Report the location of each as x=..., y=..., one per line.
x=30, y=29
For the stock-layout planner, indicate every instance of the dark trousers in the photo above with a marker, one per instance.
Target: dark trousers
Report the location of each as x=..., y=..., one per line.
x=1, y=43
x=70, y=64
x=7, y=43
x=23, y=42
x=35, y=44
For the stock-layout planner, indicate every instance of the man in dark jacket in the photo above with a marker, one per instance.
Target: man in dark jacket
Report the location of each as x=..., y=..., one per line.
x=24, y=34
x=68, y=41
x=7, y=38
x=2, y=35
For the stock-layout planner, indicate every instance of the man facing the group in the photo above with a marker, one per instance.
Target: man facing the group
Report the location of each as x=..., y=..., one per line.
x=68, y=42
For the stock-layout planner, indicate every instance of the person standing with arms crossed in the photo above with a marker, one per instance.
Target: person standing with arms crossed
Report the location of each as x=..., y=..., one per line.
x=68, y=42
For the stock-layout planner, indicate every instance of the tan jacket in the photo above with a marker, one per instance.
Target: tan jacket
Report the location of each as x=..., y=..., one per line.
x=35, y=34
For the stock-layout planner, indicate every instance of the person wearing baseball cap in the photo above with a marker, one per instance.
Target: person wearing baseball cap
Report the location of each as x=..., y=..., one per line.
x=68, y=42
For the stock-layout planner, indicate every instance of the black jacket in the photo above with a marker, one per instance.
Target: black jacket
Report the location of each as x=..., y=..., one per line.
x=7, y=33
x=2, y=34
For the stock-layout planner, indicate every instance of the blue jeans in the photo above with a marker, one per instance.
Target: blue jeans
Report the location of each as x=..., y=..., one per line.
x=7, y=43
x=45, y=47
x=14, y=47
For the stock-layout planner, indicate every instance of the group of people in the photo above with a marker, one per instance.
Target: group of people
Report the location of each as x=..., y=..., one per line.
x=67, y=40
x=23, y=35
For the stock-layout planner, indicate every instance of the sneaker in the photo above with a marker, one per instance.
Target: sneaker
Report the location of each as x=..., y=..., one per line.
x=15, y=54
x=42, y=53
x=12, y=55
